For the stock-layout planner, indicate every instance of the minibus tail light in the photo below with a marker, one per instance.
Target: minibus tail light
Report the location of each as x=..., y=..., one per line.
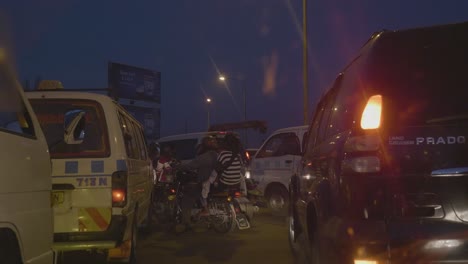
x=119, y=189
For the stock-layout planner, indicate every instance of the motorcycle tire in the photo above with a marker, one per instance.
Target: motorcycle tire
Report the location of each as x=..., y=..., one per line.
x=230, y=224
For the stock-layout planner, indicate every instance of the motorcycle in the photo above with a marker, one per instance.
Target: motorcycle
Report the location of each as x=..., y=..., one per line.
x=163, y=207
x=226, y=209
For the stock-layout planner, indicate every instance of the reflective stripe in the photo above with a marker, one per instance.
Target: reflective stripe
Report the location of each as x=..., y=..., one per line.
x=94, y=219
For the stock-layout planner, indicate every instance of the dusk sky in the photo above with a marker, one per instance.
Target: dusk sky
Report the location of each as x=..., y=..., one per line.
x=189, y=41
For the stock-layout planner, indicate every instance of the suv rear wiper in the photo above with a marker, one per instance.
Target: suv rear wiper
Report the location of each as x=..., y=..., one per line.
x=447, y=118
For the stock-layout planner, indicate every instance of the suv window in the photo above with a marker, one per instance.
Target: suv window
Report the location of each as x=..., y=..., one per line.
x=344, y=107
x=417, y=74
x=51, y=112
x=280, y=145
x=327, y=110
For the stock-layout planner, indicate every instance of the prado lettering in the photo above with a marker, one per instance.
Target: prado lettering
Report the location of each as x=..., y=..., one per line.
x=441, y=140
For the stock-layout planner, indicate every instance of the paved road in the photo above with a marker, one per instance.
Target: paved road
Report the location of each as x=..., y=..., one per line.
x=265, y=242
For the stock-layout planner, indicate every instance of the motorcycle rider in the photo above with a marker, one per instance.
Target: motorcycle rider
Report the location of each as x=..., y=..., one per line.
x=204, y=164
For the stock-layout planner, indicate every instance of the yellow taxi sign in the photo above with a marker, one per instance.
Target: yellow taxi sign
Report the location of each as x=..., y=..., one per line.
x=50, y=85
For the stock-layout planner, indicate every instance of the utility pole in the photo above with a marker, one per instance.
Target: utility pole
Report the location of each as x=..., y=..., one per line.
x=305, y=62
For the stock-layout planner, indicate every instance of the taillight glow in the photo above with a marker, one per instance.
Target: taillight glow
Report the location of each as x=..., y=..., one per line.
x=119, y=189
x=237, y=194
x=118, y=196
x=247, y=154
x=372, y=113
x=365, y=261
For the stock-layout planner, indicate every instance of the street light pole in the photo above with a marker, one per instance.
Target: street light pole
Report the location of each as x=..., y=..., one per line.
x=208, y=102
x=245, y=110
x=304, y=61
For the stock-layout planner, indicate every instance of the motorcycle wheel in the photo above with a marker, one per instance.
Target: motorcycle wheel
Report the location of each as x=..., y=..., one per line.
x=226, y=223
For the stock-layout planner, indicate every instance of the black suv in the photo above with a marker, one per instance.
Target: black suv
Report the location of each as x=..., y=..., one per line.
x=384, y=176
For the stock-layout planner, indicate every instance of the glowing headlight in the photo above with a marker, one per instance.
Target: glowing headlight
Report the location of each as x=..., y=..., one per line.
x=247, y=174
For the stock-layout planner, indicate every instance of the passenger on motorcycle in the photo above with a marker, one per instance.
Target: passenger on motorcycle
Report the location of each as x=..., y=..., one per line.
x=153, y=151
x=163, y=168
x=204, y=164
x=230, y=164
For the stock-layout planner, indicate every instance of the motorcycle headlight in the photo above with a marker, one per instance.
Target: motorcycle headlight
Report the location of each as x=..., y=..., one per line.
x=247, y=174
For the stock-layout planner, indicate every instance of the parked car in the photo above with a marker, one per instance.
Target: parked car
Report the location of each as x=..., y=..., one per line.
x=101, y=172
x=274, y=164
x=384, y=175
x=26, y=222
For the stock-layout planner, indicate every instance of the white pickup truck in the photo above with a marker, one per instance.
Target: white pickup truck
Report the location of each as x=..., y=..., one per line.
x=275, y=163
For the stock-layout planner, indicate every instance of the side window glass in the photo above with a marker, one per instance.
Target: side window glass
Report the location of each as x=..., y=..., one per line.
x=270, y=147
x=324, y=122
x=275, y=146
x=315, y=125
x=345, y=106
x=140, y=142
x=184, y=149
x=133, y=140
x=144, y=150
x=305, y=137
x=124, y=126
x=290, y=145
x=17, y=121
x=14, y=117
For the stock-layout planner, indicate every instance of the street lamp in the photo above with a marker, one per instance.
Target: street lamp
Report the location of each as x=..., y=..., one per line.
x=208, y=102
x=223, y=78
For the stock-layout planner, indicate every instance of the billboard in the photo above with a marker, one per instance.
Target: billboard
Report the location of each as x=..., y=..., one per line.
x=134, y=83
x=148, y=117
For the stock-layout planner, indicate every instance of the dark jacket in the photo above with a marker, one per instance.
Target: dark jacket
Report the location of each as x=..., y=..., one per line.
x=204, y=164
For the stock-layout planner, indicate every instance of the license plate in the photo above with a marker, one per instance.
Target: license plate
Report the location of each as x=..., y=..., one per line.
x=57, y=198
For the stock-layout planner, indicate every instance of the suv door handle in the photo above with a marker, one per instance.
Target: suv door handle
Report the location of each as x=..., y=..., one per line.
x=288, y=161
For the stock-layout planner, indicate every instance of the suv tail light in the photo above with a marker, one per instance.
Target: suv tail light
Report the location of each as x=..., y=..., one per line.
x=370, y=119
x=363, y=144
x=119, y=189
x=372, y=113
x=367, y=164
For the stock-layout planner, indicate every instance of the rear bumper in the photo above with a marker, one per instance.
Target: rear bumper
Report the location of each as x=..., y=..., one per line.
x=87, y=240
x=430, y=241
x=415, y=241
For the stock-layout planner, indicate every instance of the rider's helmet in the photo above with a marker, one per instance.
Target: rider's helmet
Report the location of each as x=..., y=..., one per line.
x=208, y=143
